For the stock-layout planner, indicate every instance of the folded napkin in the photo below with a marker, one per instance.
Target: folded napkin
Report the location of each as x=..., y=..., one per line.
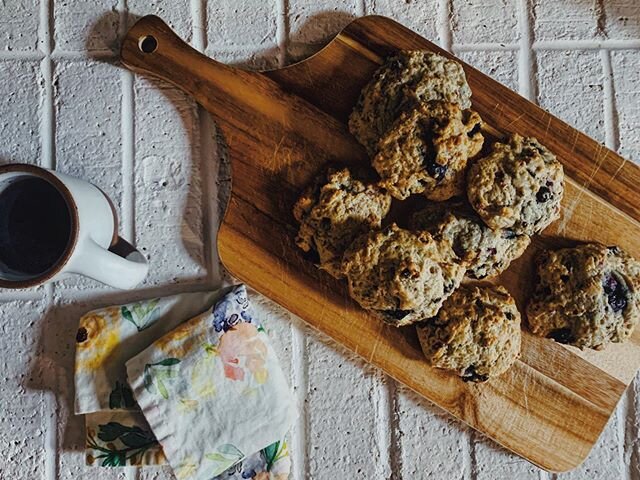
x=207, y=394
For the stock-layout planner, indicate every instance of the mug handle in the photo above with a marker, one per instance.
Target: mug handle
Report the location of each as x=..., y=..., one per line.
x=124, y=269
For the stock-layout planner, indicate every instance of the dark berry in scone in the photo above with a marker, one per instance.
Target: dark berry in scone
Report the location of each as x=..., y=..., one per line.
x=519, y=186
x=335, y=210
x=401, y=276
x=484, y=251
x=476, y=333
x=404, y=81
x=585, y=296
x=427, y=149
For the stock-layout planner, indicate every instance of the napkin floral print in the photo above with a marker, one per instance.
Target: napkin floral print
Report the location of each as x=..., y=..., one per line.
x=213, y=391
x=106, y=338
x=225, y=339
x=118, y=439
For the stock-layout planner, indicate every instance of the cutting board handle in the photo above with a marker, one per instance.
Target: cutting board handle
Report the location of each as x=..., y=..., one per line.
x=151, y=47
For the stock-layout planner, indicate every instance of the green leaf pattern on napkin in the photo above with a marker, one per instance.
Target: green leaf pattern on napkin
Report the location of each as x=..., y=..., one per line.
x=225, y=456
x=121, y=397
x=141, y=314
x=120, y=445
x=156, y=374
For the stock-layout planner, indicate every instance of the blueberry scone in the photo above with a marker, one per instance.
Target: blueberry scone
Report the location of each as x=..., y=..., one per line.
x=476, y=333
x=426, y=151
x=401, y=276
x=406, y=79
x=486, y=252
x=519, y=186
x=334, y=211
x=586, y=296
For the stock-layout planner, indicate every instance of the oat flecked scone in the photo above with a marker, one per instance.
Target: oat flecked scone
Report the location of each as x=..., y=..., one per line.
x=476, y=333
x=519, y=186
x=334, y=211
x=401, y=276
x=402, y=82
x=426, y=151
x=486, y=252
x=586, y=296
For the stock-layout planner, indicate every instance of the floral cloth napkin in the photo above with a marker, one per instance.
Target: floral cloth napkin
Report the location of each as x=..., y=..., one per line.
x=208, y=393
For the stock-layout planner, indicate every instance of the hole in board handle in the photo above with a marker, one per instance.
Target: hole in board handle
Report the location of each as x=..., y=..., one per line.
x=148, y=44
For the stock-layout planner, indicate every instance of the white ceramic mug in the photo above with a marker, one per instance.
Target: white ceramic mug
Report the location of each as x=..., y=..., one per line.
x=53, y=225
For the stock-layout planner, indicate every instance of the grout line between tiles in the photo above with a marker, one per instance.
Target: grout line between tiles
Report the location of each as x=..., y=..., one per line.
x=625, y=413
x=199, y=24
x=209, y=159
x=128, y=156
x=621, y=414
x=632, y=432
x=384, y=440
x=472, y=436
x=49, y=407
x=50, y=410
x=610, y=114
x=444, y=25
x=525, y=62
x=490, y=47
x=282, y=31
x=632, y=44
x=127, y=126
x=299, y=450
x=299, y=368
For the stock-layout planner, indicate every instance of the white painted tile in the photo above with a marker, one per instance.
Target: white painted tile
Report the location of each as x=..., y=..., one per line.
x=86, y=25
x=19, y=25
x=21, y=91
x=571, y=86
x=168, y=195
x=626, y=85
x=493, y=21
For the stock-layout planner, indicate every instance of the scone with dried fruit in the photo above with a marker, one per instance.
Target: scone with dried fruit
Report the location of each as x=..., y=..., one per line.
x=485, y=251
x=335, y=210
x=426, y=151
x=401, y=276
x=476, y=333
x=585, y=296
x=404, y=81
x=519, y=186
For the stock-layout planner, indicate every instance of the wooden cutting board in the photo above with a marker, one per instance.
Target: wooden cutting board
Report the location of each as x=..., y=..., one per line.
x=281, y=127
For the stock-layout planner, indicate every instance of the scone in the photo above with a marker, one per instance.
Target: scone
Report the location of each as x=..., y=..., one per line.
x=519, y=186
x=476, y=333
x=406, y=79
x=334, y=211
x=401, y=276
x=426, y=151
x=486, y=252
x=586, y=296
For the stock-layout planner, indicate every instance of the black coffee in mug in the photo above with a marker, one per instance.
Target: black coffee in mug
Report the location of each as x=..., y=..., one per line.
x=35, y=225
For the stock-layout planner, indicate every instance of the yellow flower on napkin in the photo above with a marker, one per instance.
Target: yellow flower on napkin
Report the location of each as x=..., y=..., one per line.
x=97, y=336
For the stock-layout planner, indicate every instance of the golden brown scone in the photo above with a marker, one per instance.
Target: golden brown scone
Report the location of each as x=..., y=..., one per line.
x=485, y=251
x=586, y=296
x=427, y=149
x=404, y=81
x=476, y=333
x=519, y=186
x=401, y=276
x=334, y=211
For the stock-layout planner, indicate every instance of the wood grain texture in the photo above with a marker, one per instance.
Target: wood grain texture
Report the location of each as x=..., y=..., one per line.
x=282, y=127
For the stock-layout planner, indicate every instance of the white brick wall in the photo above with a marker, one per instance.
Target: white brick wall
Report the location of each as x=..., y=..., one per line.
x=66, y=104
